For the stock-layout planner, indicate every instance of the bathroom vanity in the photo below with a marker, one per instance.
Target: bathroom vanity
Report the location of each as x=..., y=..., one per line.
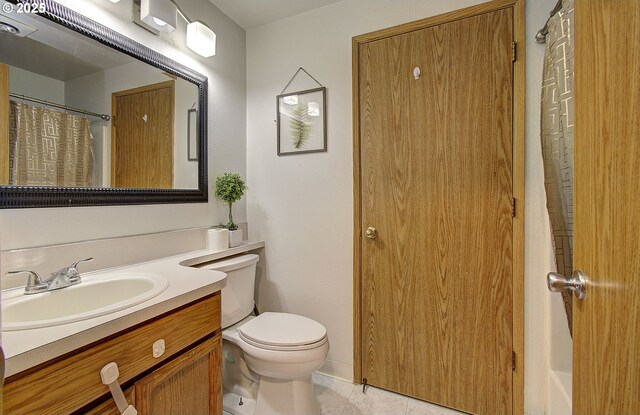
x=168, y=348
x=191, y=357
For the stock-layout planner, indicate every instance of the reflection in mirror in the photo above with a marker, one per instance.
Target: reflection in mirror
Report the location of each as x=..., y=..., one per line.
x=84, y=115
x=78, y=114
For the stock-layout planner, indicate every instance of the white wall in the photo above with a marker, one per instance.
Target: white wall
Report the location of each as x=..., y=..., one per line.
x=185, y=172
x=34, y=85
x=302, y=205
x=21, y=228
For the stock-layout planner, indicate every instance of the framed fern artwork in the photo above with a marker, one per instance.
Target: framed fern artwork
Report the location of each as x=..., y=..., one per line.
x=302, y=122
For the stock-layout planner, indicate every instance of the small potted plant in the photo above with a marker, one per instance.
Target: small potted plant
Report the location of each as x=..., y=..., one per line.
x=230, y=188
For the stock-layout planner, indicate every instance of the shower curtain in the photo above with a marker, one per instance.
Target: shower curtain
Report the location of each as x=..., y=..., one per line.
x=48, y=148
x=557, y=139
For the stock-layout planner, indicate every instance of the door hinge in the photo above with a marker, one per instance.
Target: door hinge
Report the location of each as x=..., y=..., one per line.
x=513, y=51
x=513, y=360
x=513, y=207
x=114, y=120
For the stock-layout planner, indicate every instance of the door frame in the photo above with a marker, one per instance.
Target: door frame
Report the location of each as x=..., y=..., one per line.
x=518, y=130
x=4, y=122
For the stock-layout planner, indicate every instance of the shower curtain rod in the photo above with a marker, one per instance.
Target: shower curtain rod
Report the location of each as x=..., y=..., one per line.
x=64, y=107
x=541, y=36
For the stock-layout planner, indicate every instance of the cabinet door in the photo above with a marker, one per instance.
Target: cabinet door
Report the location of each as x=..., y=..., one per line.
x=190, y=384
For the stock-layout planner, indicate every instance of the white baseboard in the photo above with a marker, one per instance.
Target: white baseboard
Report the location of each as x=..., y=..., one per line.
x=337, y=370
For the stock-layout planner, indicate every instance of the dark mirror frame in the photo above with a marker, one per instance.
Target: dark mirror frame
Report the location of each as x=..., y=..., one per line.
x=41, y=196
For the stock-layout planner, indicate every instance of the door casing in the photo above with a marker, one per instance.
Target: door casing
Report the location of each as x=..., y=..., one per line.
x=518, y=143
x=4, y=122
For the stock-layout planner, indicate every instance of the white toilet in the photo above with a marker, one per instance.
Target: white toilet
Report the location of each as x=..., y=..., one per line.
x=267, y=360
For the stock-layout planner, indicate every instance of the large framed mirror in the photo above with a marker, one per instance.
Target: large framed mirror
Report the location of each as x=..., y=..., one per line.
x=90, y=117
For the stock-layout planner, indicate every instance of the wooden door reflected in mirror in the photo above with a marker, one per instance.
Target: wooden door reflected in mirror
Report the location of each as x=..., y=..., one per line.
x=142, y=136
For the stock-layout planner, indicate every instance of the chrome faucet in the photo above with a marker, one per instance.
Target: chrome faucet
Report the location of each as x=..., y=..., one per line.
x=65, y=277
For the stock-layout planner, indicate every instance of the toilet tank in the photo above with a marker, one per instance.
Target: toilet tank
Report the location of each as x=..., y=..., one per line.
x=237, y=295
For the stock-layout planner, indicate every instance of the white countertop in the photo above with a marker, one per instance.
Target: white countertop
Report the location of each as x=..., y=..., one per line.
x=27, y=348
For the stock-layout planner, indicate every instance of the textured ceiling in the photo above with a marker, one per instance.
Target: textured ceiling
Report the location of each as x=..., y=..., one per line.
x=253, y=13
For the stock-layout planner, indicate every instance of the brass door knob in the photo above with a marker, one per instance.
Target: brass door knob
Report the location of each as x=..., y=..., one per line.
x=371, y=232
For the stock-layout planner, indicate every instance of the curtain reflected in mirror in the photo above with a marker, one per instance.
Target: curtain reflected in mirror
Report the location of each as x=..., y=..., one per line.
x=49, y=148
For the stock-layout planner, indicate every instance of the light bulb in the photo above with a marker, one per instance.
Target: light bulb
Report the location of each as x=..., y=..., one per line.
x=158, y=21
x=201, y=39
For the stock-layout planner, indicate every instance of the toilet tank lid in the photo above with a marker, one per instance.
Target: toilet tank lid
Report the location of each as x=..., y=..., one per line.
x=283, y=329
x=233, y=263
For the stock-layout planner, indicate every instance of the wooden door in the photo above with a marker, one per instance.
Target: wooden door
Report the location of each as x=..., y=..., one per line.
x=191, y=384
x=142, y=137
x=606, y=324
x=435, y=180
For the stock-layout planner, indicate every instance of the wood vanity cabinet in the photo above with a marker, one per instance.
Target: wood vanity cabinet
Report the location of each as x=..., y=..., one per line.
x=185, y=380
x=180, y=387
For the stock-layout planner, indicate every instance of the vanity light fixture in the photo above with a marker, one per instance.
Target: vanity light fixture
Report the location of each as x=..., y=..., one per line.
x=159, y=14
x=291, y=100
x=201, y=39
x=114, y=1
x=314, y=109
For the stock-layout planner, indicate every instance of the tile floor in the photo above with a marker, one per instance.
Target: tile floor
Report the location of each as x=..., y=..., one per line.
x=338, y=397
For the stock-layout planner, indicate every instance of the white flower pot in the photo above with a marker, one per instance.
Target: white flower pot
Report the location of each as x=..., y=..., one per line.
x=235, y=238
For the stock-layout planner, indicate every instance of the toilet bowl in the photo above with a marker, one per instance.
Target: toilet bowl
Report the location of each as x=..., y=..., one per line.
x=267, y=359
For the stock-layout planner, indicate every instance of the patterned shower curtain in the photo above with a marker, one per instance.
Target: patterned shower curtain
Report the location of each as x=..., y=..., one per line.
x=48, y=148
x=557, y=139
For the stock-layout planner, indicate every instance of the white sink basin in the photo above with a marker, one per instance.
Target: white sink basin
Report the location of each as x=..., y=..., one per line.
x=93, y=297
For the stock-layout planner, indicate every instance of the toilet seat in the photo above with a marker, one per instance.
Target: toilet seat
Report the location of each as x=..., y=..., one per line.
x=283, y=332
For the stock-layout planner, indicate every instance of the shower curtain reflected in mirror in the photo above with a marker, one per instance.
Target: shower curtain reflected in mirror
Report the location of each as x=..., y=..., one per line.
x=557, y=139
x=48, y=148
